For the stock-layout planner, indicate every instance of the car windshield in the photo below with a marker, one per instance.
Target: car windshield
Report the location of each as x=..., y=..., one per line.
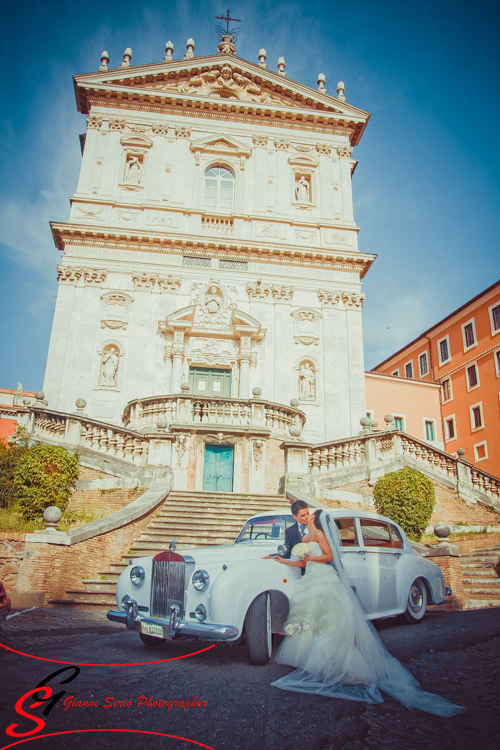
x=266, y=527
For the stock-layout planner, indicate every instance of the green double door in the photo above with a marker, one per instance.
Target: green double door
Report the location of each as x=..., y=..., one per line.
x=218, y=468
x=210, y=382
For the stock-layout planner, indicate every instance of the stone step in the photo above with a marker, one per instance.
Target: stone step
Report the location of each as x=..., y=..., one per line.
x=111, y=575
x=86, y=604
x=245, y=510
x=483, y=589
x=188, y=523
x=493, y=581
x=481, y=601
x=103, y=587
x=147, y=548
x=477, y=566
x=479, y=558
x=117, y=566
x=481, y=571
x=82, y=595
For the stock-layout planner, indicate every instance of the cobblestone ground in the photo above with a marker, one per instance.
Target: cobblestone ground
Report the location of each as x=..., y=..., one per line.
x=470, y=678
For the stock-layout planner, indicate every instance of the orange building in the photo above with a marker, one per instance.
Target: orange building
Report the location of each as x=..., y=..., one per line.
x=11, y=404
x=462, y=354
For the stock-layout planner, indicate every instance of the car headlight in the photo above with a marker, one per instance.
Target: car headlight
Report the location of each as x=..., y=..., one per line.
x=200, y=580
x=137, y=575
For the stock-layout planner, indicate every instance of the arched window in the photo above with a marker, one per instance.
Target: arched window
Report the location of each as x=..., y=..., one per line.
x=219, y=189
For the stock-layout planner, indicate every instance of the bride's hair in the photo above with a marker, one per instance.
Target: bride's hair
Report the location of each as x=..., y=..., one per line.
x=317, y=522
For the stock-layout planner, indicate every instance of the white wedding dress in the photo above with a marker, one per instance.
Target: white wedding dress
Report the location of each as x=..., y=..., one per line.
x=337, y=652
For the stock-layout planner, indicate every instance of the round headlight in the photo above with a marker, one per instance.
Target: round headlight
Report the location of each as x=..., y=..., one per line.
x=137, y=575
x=200, y=580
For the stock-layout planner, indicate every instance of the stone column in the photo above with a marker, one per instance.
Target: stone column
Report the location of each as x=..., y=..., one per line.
x=175, y=383
x=447, y=556
x=244, y=377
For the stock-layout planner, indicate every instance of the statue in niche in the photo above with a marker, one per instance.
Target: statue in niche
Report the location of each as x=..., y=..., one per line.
x=109, y=366
x=133, y=170
x=307, y=382
x=302, y=190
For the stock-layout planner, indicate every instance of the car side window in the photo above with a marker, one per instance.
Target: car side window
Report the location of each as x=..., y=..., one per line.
x=375, y=533
x=347, y=531
x=397, y=542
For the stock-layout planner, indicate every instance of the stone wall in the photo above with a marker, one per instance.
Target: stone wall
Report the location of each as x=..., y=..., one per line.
x=452, y=573
x=53, y=568
x=478, y=541
x=12, y=548
x=102, y=502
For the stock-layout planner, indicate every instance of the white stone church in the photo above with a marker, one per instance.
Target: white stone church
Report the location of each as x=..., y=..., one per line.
x=210, y=278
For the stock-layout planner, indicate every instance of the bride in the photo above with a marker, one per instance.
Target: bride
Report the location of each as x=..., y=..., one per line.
x=336, y=650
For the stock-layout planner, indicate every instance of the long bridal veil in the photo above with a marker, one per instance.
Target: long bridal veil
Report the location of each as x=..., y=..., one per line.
x=355, y=648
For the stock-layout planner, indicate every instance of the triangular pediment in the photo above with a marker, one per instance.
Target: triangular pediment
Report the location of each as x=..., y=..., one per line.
x=225, y=144
x=218, y=78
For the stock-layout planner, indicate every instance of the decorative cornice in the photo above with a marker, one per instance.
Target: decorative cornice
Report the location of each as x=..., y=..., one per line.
x=344, y=151
x=261, y=291
x=95, y=276
x=351, y=300
x=68, y=275
x=145, y=280
x=259, y=252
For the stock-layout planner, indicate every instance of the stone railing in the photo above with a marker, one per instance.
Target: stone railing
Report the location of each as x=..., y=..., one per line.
x=82, y=432
x=144, y=414
x=371, y=454
x=217, y=225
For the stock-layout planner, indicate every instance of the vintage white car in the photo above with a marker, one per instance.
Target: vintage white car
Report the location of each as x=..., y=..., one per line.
x=224, y=592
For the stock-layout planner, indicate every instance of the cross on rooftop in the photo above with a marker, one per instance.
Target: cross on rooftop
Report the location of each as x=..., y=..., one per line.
x=227, y=18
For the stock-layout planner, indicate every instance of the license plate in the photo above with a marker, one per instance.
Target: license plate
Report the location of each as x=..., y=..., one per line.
x=150, y=629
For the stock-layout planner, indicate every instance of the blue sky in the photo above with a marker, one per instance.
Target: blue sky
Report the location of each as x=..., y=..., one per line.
x=426, y=188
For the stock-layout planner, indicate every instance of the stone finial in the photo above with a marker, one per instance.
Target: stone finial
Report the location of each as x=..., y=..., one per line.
x=257, y=392
x=388, y=419
x=162, y=424
x=26, y=401
x=80, y=404
x=365, y=422
x=127, y=56
x=321, y=83
x=52, y=516
x=281, y=67
x=460, y=452
x=373, y=424
x=262, y=58
x=185, y=387
x=294, y=402
x=169, y=48
x=104, y=61
x=442, y=530
x=190, y=50
x=340, y=91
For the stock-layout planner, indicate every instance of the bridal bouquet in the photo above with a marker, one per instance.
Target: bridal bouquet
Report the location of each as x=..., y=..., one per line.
x=300, y=550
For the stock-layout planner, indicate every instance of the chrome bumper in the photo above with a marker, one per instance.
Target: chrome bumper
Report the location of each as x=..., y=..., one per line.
x=172, y=627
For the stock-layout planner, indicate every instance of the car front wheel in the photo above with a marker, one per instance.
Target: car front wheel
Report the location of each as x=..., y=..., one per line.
x=258, y=635
x=417, y=602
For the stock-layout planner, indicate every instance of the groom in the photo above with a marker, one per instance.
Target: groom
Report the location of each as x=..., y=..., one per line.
x=294, y=533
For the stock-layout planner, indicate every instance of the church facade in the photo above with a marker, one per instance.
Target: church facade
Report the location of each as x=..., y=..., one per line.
x=211, y=255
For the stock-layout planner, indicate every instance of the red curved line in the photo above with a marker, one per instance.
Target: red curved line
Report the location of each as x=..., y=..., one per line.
x=139, y=731
x=85, y=664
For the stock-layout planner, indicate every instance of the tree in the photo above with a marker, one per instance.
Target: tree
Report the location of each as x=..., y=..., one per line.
x=9, y=456
x=44, y=475
x=407, y=497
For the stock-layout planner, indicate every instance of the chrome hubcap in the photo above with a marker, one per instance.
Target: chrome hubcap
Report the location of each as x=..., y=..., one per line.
x=415, y=600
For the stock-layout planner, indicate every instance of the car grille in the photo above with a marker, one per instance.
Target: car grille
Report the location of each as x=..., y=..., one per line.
x=168, y=586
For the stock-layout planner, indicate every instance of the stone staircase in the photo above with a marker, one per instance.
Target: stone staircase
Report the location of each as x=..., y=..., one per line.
x=481, y=586
x=193, y=519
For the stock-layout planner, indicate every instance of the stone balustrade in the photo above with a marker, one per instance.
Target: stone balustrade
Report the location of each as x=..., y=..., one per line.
x=82, y=432
x=143, y=414
x=371, y=454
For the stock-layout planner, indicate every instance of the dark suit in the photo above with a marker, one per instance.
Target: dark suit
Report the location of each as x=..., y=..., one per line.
x=292, y=537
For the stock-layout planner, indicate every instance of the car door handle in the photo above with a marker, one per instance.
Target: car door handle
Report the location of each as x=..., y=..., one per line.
x=361, y=552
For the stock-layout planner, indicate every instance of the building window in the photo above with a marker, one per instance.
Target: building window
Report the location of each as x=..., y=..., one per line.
x=399, y=422
x=497, y=362
x=192, y=260
x=480, y=451
x=476, y=416
x=446, y=392
x=219, y=189
x=409, y=369
x=423, y=364
x=430, y=429
x=472, y=377
x=469, y=334
x=495, y=318
x=444, y=350
x=395, y=373
x=450, y=428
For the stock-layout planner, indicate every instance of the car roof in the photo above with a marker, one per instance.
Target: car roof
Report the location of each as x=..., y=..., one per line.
x=336, y=512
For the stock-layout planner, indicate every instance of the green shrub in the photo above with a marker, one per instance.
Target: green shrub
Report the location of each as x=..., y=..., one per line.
x=9, y=456
x=408, y=497
x=44, y=475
